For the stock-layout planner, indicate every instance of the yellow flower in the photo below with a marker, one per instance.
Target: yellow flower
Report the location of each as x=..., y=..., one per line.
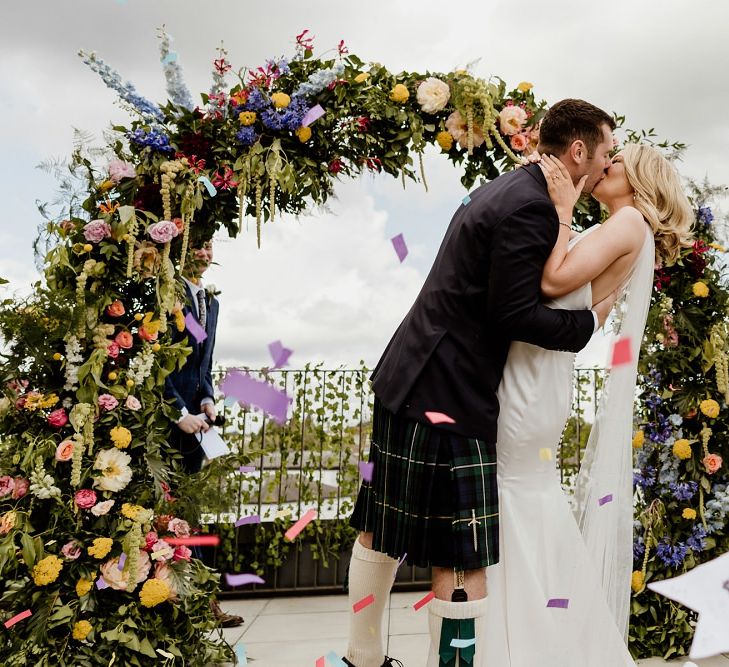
x=362, y=77
x=88, y=247
x=688, y=513
x=46, y=570
x=157, y=347
x=280, y=100
x=131, y=511
x=637, y=582
x=179, y=319
x=445, y=140
x=57, y=356
x=83, y=586
x=81, y=630
x=138, y=317
x=700, y=289
x=112, y=376
x=710, y=408
x=101, y=547
x=49, y=401
x=399, y=93
x=682, y=449
x=154, y=592
x=638, y=439
x=106, y=185
x=717, y=246
x=121, y=437
x=247, y=117
x=304, y=134
x=525, y=87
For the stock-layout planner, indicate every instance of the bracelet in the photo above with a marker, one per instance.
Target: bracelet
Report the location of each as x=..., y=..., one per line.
x=564, y=224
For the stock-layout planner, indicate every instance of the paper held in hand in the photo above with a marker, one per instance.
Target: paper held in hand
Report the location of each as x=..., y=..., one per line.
x=213, y=445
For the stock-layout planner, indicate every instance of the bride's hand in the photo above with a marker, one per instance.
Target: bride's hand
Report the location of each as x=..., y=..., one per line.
x=563, y=193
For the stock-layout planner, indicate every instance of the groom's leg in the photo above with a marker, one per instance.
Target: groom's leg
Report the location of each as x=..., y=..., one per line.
x=370, y=573
x=443, y=584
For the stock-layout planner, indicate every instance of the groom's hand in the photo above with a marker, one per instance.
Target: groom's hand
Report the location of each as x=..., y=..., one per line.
x=602, y=308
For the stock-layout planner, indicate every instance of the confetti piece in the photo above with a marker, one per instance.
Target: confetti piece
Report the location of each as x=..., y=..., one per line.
x=230, y=401
x=282, y=514
x=122, y=560
x=366, y=469
x=258, y=393
x=247, y=469
x=622, y=354
x=279, y=354
x=364, y=602
x=243, y=579
x=605, y=499
x=558, y=603
x=463, y=643
x=197, y=541
x=335, y=660
x=208, y=185
x=292, y=532
x=424, y=601
x=398, y=242
x=170, y=57
x=439, y=418
x=248, y=519
x=312, y=115
x=321, y=662
x=545, y=453
x=17, y=618
x=466, y=202
x=101, y=584
x=193, y=326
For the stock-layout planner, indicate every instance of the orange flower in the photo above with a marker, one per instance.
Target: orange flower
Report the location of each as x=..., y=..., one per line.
x=116, y=309
x=149, y=329
x=109, y=207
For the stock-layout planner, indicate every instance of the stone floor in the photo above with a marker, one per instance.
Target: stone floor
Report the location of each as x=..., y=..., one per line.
x=296, y=631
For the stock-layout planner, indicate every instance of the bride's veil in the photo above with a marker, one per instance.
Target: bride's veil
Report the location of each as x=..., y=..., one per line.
x=604, y=486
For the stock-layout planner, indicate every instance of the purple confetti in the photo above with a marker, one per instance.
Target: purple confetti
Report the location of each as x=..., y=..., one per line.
x=247, y=469
x=258, y=393
x=605, y=499
x=122, y=560
x=279, y=354
x=193, y=326
x=101, y=584
x=248, y=519
x=365, y=469
x=243, y=579
x=558, y=603
x=399, y=563
x=401, y=249
x=312, y=114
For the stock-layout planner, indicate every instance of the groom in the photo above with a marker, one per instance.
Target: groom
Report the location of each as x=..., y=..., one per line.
x=433, y=493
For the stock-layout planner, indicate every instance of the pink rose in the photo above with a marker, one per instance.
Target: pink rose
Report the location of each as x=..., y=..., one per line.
x=150, y=540
x=182, y=553
x=161, y=551
x=85, y=498
x=107, y=402
x=179, y=527
x=119, y=169
x=712, y=463
x=162, y=231
x=112, y=349
x=71, y=550
x=21, y=487
x=132, y=403
x=102, y=508
x=58, y=418
x=7, y=484
x=518, y=142
x=96, y=231
x=64, y=451
x=124, y=340
x=512, y=120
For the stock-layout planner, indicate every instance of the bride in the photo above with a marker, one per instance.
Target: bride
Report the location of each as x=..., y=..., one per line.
x=560, y=595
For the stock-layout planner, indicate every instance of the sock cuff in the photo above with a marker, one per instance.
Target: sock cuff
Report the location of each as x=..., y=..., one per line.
x=361, y=552
x=458, y=610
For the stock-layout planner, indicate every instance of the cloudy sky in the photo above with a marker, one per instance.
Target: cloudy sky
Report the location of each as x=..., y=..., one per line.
x=329, y=284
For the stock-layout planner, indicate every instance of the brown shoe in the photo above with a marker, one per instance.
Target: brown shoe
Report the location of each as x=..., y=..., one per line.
x=225, y=620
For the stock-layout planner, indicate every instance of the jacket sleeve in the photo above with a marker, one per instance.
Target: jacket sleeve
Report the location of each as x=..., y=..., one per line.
x=171, y=393
x=520, y=245
x=207, y=390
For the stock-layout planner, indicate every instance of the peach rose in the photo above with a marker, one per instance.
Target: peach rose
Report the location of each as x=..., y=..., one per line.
x=7, y=522
x=518, y=142
x=115, y=309
x=64, y=451
x=512, y=120
x=124, y=340
x=458, y=128
x=712, y=463
x=119, y=579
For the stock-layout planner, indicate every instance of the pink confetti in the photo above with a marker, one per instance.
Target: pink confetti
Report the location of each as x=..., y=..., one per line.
x=17, y=618
x=313, y=114
x=292, y=532
x=122, y=560
x=605, y=499
x=193, y=326
x=243, y=579
x=261, y=394
x=196, y=541
x=279, y=354
x=439, y=418
x=422, y=602
x=558, y=603
x=248, y=519
x=366, y=470
x=622, y=354
x=364, y=602
x=321, y=662
x=401, y=249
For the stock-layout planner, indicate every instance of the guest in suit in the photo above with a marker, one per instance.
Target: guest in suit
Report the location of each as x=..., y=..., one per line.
x=433, y=493
x=191, y=387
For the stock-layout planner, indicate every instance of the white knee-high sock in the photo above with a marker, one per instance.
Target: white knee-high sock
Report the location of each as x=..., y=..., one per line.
x=440, y=609
x=370, y=572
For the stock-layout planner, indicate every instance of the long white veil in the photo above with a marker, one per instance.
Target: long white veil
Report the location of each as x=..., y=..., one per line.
x=604, y=486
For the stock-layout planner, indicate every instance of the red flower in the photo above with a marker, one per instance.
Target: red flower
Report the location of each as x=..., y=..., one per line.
x=150, y=539
x=58, y=418
x=363, y=123
x=85, y=498
x=222, y=65
x=225, y=180
x=374, y=163
x=305, y=42
x=182, y=553
x=336, y=165
x=179, y=224
x=662, y=279
x=341, y=48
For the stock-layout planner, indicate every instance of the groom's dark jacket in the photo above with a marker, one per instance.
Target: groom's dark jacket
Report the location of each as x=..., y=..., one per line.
x=482, y=292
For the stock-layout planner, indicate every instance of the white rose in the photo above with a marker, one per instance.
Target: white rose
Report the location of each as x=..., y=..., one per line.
x=433, y=94
x=115, y=470
x=512, y=120
x=102, y=508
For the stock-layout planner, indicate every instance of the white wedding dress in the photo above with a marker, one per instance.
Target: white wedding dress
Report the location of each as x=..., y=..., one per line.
x=543, y=555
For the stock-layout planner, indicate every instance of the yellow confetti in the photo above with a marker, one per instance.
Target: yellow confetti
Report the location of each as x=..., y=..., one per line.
x=545, y=453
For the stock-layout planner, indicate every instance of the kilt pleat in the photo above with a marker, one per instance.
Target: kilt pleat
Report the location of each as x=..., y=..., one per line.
x=432, y=496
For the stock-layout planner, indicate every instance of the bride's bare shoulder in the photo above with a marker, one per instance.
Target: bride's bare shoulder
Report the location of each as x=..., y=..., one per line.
x=627, y=221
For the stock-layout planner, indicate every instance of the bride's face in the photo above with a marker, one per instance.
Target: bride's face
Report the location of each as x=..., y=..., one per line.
x=615, y=184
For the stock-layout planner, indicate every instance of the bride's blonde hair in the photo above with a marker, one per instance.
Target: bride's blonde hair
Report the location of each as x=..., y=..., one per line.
x=660, y=198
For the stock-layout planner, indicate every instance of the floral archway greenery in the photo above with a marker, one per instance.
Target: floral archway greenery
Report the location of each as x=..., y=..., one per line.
x=89, y=488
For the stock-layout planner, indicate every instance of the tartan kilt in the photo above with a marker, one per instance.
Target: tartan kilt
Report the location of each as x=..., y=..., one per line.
x=433, y=495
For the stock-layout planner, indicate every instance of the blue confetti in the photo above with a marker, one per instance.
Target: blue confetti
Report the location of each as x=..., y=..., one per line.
x=334, y=660
x=170, y=57
x=208, y=185
x=466, y=200
x=240, y=652
x=462, y=643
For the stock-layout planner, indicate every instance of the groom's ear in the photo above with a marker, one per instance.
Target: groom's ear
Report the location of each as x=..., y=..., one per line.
x=578, y=152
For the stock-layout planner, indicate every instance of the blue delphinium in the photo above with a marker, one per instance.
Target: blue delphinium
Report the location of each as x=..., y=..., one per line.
x=645, y=478
x=272, y=119
x=658, y=431
x=153, y=139
x=683, y=490
x=638, y=548
x=247, y=136
x=653, y=401
x=257, y=100
x=697, y=541
x=717, y=509
x=676, y=420
x=176, y=88
x=671, y=555
x=704, y=215
x=319, y=80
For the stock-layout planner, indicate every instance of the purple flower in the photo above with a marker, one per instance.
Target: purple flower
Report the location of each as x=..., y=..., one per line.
x=653, y=401
x=273, y=119
x=638, y=549
x=704, y=215
x=118, y=169
x=153, y=139
x=645, y=478
x=257, y=101
x=697, y=541
x=658, y=431
x=96, y=231
x=683, y=490
x=247, y=136
x=671, y=555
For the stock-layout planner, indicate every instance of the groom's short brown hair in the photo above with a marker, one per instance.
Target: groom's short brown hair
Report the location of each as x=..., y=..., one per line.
x=570, y=120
